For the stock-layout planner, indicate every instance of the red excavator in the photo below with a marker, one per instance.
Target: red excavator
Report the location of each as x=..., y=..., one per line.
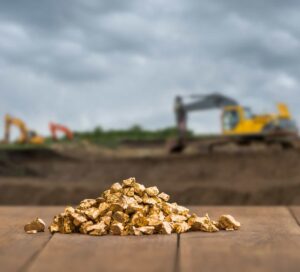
x=54, y=128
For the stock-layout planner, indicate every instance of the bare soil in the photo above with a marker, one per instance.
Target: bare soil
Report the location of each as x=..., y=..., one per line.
x=66, y=175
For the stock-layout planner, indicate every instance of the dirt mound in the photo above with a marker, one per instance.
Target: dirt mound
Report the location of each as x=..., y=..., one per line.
x=23, y=154
x=8, y=169
x=222, y=178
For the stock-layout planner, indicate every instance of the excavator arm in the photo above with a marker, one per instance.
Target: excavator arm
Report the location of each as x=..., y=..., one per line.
x=211, y=101
x=57, y=127
x=26, y=136
x=202, y=102
x=9, y=121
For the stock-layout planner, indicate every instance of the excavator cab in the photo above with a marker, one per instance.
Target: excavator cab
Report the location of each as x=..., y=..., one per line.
x=236, y=119
x=230, y=119
x=34, y=138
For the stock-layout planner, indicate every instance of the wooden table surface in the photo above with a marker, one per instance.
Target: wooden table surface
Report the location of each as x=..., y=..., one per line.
x=269, y=240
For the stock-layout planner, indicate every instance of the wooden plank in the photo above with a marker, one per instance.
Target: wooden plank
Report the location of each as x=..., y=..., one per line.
x=295, y=210
x=17, y=248
x=269, y=240
x=75, y=252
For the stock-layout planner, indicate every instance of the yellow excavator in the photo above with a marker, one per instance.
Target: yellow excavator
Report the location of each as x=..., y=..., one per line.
x=239, y=124
x=26, y=136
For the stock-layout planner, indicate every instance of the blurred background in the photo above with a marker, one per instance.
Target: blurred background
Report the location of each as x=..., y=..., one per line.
x=197, y=97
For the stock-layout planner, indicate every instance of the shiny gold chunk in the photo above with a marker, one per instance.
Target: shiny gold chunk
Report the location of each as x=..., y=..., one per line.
x=139, y=220
x=31, y=231
x=97, y=229
x=106, y=219
x=139, y=189
x=182, y=210
x=146, y=230
x=175, y=218
x=129, y=182
x=136, y=231
x=37, y=225
x=164, y=196
x=138, y=199
x=146, y=209
x=149, y=200
x=128, y=191
x=100, y=199
x=154, y=222
x=169, y=208
x=181, y=227
x=116, y=187
x=92, y=213
x=132, y=208
x=152, y=191
x=69, y=210
x=103, y=208
x=112, y=198
x=227, y=222
x=87, y=203
x=78, y=219
x=118, y=206
x=68, y=225
x=54, y=228
x=120, y=217
x=202, y=223
x=116, y=228
x=105, y=194
x=84, y=227
x=166, y=228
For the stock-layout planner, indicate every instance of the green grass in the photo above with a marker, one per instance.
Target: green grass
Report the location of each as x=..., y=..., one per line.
x=110, y=138
x=114, y=137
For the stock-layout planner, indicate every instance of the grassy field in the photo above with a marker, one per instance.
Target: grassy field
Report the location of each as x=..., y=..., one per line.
x=114, y=137
x=109, y=138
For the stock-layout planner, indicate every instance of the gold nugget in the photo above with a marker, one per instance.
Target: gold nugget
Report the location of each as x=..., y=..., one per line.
x=37, y=225
x=227, y=222
x=129, y=208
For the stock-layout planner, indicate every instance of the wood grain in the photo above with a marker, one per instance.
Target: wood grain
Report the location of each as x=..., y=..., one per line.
x=75, y=252
x=18, y=248
x=295, y=210
x=269, y=240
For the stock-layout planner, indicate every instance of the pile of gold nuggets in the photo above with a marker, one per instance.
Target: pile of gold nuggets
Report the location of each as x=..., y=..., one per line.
x=132, y=209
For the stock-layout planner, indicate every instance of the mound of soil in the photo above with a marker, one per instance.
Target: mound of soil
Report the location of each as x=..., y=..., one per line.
x=21, y=155
x=270, y=177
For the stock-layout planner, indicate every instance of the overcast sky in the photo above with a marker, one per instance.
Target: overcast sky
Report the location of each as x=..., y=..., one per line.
x=118, y=63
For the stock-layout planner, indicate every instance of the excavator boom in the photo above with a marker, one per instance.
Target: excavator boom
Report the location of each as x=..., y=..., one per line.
x=57, y=127
x=26, y=136
x=211, y=101
x=9, y=121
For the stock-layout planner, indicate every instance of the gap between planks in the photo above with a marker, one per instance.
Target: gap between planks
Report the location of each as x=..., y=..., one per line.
x=296, y=215
x=35, y=256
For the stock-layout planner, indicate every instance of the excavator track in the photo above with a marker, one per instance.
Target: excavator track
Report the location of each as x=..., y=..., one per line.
x=282, y=139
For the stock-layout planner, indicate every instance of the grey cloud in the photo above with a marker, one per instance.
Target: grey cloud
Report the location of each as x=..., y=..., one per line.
x=116, y=63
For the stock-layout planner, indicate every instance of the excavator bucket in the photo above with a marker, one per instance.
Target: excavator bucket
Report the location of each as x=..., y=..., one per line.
x=175, y=146
x=283, y=111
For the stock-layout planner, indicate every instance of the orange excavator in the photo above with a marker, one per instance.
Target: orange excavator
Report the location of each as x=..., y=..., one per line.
x=26, y=135
x=54, y=128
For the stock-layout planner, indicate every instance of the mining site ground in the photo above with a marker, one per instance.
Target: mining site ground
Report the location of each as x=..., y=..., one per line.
x=66, y=174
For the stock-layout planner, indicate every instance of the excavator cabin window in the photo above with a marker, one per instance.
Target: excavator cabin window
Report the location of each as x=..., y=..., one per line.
x=230, y=119
x=248, y=113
